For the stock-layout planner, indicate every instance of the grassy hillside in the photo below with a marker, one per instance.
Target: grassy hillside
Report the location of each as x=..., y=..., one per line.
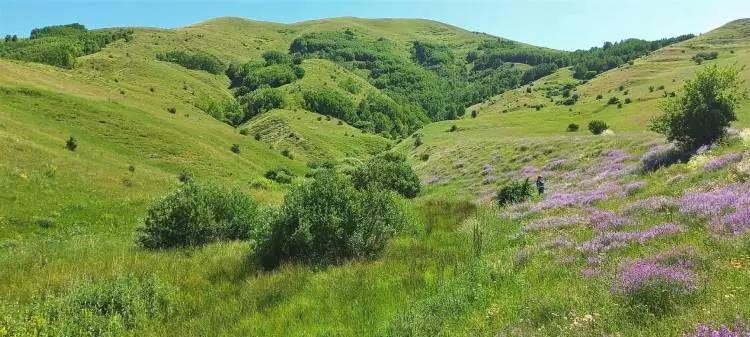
x=467, y=267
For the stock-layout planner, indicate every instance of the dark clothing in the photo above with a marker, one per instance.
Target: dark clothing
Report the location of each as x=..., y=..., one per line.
x=540, y=186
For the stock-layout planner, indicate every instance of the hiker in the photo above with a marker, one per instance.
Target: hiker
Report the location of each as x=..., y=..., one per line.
x=540, y=185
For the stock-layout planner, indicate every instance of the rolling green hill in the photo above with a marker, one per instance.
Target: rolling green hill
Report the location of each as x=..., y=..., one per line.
x=68, y=219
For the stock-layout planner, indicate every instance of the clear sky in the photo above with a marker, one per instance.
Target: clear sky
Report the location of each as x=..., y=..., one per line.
x=561, y=24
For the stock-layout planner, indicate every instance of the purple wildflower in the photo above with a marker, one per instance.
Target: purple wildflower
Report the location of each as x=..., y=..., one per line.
x=580, y=198
x=676, y=257
x=604, y=220
x=735, y=223
x=554, y=165
x=590, y=272
x=716, y=202
x=711, y=330
x=657, y=203
x=487, y=169
x=553, y=223
x=721, y=162
x=639, y=274
x=559, y=242
x=606, y=241
x=530, y=171
x=633, y=187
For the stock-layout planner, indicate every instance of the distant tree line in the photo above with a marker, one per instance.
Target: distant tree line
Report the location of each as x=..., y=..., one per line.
x=60, y=45
x=586, y=64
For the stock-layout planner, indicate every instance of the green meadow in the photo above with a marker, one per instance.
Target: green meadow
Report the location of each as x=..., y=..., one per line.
x=464, y=265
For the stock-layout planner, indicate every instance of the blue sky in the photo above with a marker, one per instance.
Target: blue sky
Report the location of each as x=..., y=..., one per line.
x=561, y=24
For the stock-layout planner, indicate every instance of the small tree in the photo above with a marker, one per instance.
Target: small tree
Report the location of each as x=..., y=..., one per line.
x=703, y=111
x=572, y=127
x=473, y=114
x=597, y=127
x=71, y=144
x=236, y=148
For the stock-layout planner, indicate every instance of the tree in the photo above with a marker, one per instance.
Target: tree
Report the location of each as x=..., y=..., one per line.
x=388, y=171
x=71, y=144
x=260, y=101
x=703, y=110
x=331, y=103
x=597, y=127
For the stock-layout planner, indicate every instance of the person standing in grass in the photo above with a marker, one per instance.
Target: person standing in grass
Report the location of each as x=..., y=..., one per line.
x=540, y=185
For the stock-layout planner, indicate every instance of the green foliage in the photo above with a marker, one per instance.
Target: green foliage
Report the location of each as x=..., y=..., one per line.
x=597, y=127
x=71, y=144
x=60, y=45
x=276, y=70
x=260, y=101
x=704, y=56
x=235, y=148
x=704, y=109
x=388, y=171
x=276, y=57
x=197, y=214
x=196, y=61
x=430, y=85
x=388, y=117
x=327, y=220
x=109, y=307
x=331, y=103
x=514, y=192
x=280, y=175
x=537, y=72
x=572, y=127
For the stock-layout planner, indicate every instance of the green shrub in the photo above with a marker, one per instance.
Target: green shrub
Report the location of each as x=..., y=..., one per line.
x=573, y=127
x=71, y=144
x=109, y=307
x=613, y=101
x=196, y=61
x=514, y=192
x=704, y=110
x=389, y=171
x=197, y=214
x=280, y=175
x=235, y=148
x=327, y=220
x=597, y=127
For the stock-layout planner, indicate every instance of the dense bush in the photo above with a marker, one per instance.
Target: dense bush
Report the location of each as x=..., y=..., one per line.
x=703, y=111
x=327, y=220
x=71, y=144
x=260, y=101
x=388, y=171
x=196, y=61
x=597, y=127
x=572, y=127
x=388, y=117
x=704, y=56
x=280, y=175
x=197, y=214
x=331, y=103
x=109, y=307
x=514, y=192
x=60, y=45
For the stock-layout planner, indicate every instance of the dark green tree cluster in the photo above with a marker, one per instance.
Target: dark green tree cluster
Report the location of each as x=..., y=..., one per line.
x=256, y=84
x=332, y=103
x=586, y=64
x=60, y=45
x=196, y=61
x=429, y=85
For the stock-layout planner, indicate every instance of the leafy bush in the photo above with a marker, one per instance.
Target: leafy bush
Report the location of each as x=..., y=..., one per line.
x=109, y=307
x=704, y=56
x=514, y=192
x=613, y=100
x=573, y=127
x=235, y=148
x=71, y=144
x=280, y=175
x=196, y=61
x=706, y=107
x=597, y=127
x=197, y=214
x=389, y=171
x=327, y=220
x=331, y=103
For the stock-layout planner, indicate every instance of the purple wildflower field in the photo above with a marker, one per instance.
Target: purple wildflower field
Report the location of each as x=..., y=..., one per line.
x=713, y=330
x=606, y=241
x=635, y=275
x=657, y=203
x=554, y=223
x=727, y=208
x=605, y=220
x=723, y=161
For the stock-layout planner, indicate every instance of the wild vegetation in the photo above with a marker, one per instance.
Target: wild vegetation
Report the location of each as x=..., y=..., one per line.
x=133, y=209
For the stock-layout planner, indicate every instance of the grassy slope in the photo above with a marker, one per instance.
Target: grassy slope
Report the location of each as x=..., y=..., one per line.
x=508, y=118
x=427, y=282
